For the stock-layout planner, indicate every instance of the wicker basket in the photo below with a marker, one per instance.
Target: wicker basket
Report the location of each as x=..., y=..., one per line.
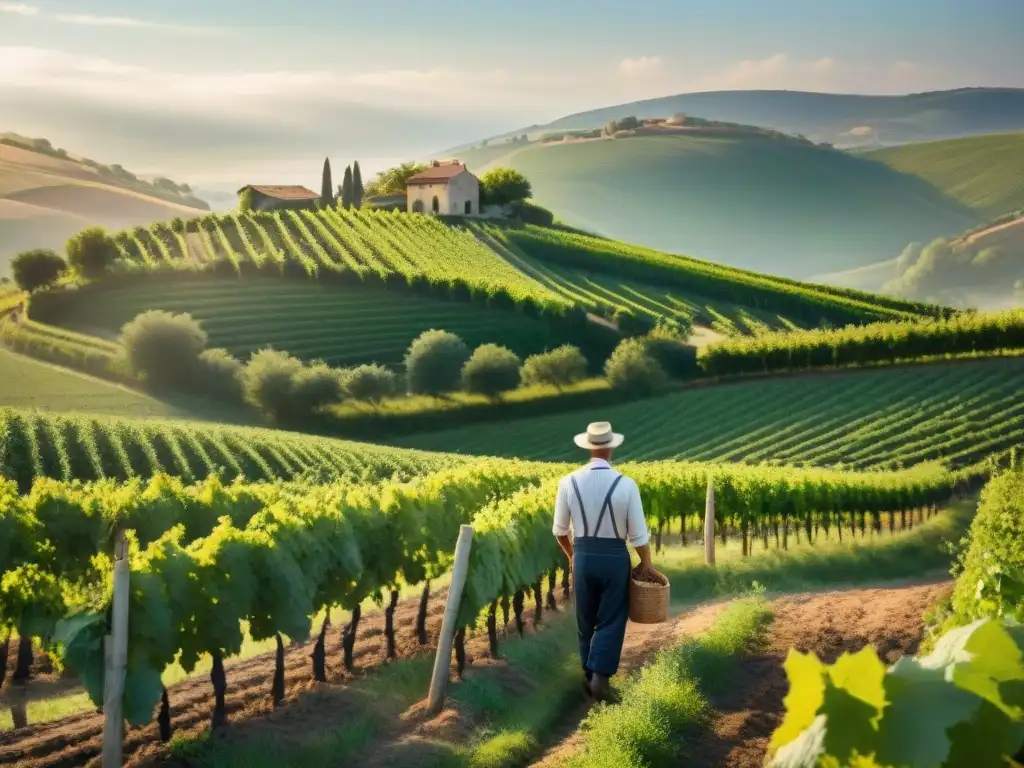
x=648, y=602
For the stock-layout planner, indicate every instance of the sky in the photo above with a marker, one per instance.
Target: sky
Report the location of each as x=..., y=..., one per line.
x=219, y=92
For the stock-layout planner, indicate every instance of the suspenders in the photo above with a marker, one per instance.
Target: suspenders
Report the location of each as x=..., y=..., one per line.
x=606, y=507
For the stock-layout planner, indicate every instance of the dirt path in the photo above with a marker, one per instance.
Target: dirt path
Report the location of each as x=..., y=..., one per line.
x=828, y=623
x=642, y=642
x=75, y=740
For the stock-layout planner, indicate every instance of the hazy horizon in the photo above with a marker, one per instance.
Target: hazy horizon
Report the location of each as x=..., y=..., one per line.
x=219, y=95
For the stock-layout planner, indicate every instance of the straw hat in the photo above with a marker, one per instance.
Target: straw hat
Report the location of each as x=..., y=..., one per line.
x=599, y=435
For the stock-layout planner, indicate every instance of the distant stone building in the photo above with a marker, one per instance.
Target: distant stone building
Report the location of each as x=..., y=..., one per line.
x=444, y=188
x=278, y=198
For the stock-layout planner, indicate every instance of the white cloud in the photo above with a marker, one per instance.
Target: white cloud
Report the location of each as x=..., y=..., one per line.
x=90, y=20
x=19, y=9
x=643, y=66
x=268, y=92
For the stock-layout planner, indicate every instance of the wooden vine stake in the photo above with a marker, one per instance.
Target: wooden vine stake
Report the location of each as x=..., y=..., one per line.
x=443, y=659
x=709, y=525
x=115, y=647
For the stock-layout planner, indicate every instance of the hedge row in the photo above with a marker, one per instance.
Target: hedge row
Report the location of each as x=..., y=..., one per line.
x=859, y=345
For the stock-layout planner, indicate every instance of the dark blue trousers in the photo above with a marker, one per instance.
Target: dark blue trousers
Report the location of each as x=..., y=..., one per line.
x=601, y=587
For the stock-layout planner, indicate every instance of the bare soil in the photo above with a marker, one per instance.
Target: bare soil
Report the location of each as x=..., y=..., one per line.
x=77, y=740
x=828, y=623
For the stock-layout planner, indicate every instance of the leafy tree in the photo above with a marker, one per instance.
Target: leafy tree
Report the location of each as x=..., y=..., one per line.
x=357, y=186
x=677, y=358
x=393, y=181
x=313, y=388
x=346, y=188
x=91, y=252
x=631, y=370
x=220, y=374
x=326, y=185
x=371, y=383
x=434, y=361
x=502, y=186
x=163, y=348
x=36, y=269
x=267, y=381
x=491, y=370
x=560, y=367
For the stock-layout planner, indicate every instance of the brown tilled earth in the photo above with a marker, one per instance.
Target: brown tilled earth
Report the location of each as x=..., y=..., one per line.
x=77, y=740
x=828, y=623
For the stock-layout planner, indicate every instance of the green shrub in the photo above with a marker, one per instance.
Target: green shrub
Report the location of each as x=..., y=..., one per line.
x=990, y=583
x=434, y=363
x=560, y=367
x=502, y=186
x=491, y=370
x=315, y=387
x=267, y=381
x=220, y=375
x=676, y=358
x=92, y=252
x=163, y=349
x=371, y=383
x=39, y=268
x=631, y=370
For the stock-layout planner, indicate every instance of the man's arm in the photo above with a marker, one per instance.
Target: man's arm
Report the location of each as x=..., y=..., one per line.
x=639, y=536
x=562, y=520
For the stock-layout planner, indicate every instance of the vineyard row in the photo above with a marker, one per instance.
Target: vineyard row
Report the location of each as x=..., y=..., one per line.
x=277, y=555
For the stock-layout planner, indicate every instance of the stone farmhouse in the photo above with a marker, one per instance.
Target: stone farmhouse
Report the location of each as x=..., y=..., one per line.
x=279, y=198
x=444, y=188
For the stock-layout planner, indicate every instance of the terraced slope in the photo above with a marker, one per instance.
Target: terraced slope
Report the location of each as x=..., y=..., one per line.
x=871, y=419
x=338, y=324
x=985, y=173
x=80, y=447
x=777, y=206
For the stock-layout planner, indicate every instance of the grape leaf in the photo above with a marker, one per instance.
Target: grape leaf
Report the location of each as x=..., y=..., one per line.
x=987, y=739
x=995, y=670
x=81, y=640
x=806, y=676
x=142, y=689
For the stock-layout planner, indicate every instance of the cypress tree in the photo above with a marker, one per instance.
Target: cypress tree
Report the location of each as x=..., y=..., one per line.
x=357, y=185
x=346, y=188
x=326, y=186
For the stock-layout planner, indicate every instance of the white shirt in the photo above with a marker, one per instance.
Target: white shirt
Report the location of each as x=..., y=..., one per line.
x=594, y=480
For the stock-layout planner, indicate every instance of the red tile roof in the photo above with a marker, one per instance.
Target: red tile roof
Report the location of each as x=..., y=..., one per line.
x=438, y=174
x=283, y=192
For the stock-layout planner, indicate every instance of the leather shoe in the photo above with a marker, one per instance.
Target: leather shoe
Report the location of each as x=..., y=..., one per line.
x=600, y=687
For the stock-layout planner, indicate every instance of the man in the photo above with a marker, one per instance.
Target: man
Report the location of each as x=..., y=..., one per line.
x=604, y=509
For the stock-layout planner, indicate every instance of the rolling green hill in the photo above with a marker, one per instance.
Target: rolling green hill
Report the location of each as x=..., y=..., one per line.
x=832, y=117
x=779, y=206
x=349, y=288
x=985, y=173
x=870, y=419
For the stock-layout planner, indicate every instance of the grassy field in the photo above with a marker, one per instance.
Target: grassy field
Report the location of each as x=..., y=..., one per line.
x=870, y=419
x=28, y=383
x=774, y=206
x=341, y=325
x=44, y=200
x=89, y=447
x=984, y=173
